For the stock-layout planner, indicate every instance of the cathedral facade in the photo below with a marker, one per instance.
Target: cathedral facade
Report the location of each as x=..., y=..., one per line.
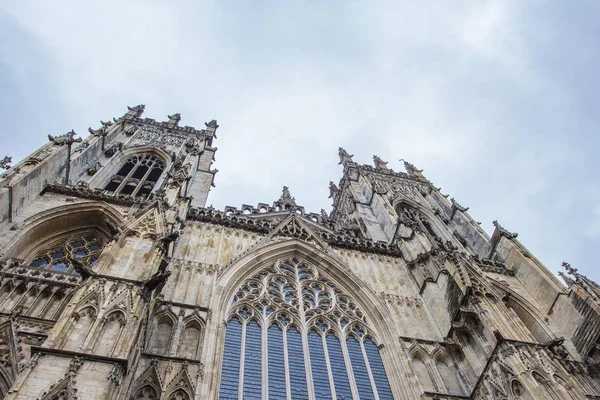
x=118, y=282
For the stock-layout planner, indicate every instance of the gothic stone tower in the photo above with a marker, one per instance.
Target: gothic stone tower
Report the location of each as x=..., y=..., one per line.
x=117, y=282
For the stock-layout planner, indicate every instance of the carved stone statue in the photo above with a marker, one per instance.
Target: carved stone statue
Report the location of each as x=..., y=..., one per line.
x=333, y=190
x=344, y=156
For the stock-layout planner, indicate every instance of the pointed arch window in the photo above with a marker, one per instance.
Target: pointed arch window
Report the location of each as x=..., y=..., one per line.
x=61, y=255
x=293, y=334
x=138, y=176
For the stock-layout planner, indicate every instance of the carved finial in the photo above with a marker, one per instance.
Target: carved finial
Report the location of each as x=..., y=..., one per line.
x=570, y=270
x=504, y=232
x=286, y=196
x=565, y=278
x=174, y=119
x=324, y=215
x=458, y=206
x=410, y=168
x=333, y=190
x=380, y=164
x=5, y=161
x=212, y=124
x=135, y=111
x=344, y=156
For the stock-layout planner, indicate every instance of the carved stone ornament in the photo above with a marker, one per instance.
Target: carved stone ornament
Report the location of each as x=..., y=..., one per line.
x=5, y=161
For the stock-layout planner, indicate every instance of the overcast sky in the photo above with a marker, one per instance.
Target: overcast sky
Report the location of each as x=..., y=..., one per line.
x=497, y=101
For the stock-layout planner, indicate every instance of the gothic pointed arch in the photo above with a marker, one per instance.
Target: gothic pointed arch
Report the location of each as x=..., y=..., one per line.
x=180, y=387
x=161, y=334
x=148, y=385
x=192, y=331
x=302, y=301
x=529, y=315
x=413, y=215
x=64, y=389
x=37, y=230
x=136, y=171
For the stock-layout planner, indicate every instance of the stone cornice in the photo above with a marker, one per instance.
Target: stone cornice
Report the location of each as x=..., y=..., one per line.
x=91, y=194
x=187, y=130
x=84, y=356
x=335, y=239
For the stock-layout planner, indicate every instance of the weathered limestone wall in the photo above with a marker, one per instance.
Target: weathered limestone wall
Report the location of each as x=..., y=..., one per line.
x=212, y=244
x=534, y=277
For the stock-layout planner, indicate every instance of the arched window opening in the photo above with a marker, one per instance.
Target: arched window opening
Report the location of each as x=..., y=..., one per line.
x=161, y=337
x=63, y=255
x=308, y=337
x=146, y=393
x=190, y=340
x=449, y=377
x=137, y=176
x=423, y=374
x=179, y=395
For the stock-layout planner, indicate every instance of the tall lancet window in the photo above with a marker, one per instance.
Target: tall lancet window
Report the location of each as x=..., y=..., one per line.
x=137, y=176
x=292, y=334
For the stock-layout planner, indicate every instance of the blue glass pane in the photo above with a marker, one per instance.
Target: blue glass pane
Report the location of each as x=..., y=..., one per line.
x=39, y=263
x=80, y=253
x=296, y=362
x=379, y=375
x=231, y=361
x=361, y=376
x=319, y=366
x=60, y=266
x=94, y=247
x=276, y=364
x=57, y=255
x=338, y=368
x=253, y=362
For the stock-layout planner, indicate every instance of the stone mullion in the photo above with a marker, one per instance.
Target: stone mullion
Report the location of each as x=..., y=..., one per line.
x=174, y=344
x=304, y=335
x=265, y=358
x=136, y=248
x=141, y=182
x=49, y=303
x=349, y=370
x=242, y=359
x=6, y=295
x=36, y=302
x=436, y=378
x=116, y=346
x=28, y=288
x=368, y=365
x=288, y=384
x=126, y=178
x=329, y=370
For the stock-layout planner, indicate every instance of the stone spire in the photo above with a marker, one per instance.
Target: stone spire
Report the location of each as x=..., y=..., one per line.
x=411, y=169
x=286, y=196
x=345, y=157
x=286, y=201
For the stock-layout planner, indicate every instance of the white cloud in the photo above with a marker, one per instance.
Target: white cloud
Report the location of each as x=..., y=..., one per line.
x=454, y=87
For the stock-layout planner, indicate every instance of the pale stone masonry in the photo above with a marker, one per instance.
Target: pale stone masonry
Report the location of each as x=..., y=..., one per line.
x=117, y=282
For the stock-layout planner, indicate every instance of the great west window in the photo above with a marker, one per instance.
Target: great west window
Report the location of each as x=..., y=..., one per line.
x=292, y=334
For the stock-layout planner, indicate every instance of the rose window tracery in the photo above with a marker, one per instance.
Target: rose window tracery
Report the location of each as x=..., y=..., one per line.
x=295, y=329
